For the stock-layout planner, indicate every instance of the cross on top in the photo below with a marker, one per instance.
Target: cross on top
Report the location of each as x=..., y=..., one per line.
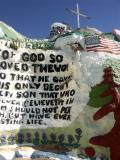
x=78, y=14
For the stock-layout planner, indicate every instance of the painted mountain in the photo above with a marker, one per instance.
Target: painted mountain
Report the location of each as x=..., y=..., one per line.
x=59, y=97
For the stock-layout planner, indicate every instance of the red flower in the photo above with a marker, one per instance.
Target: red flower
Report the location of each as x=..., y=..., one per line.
x=90, y=152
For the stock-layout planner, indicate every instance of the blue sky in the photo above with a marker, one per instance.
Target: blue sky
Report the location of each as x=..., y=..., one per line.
x=33, y=18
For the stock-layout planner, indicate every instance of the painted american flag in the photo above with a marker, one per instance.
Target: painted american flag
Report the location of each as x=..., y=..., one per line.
x=105, y=45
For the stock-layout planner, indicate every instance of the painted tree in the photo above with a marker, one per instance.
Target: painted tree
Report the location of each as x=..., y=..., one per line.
x=110, y=139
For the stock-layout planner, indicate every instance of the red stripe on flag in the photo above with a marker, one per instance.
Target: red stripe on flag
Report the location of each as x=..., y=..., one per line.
x=105, y=45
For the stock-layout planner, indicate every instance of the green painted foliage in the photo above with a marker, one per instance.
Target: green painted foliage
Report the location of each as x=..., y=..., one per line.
x=95, y=96
x=115, y=64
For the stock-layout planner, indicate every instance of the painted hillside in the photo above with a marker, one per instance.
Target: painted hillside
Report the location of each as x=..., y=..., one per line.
x=60, y=95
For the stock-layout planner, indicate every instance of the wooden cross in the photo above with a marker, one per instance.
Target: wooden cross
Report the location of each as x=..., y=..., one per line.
x=78, y=14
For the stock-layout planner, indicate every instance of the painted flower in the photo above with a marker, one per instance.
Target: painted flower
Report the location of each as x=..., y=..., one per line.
x=44, y=137
x=70, y=139
x=61, y=138
x=53, y=137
